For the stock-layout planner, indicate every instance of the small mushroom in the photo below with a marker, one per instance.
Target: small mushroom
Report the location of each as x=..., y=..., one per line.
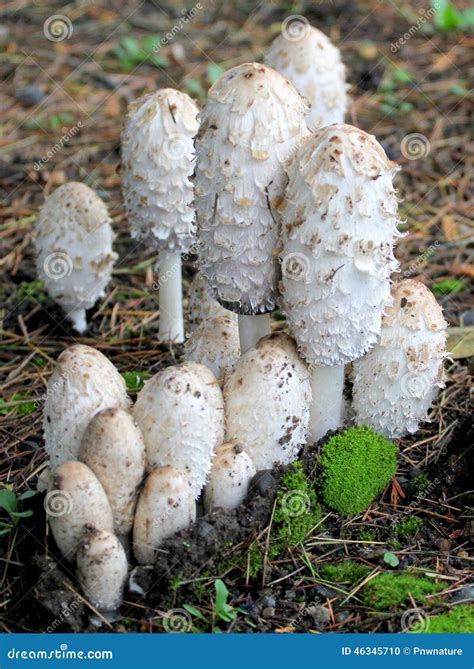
x=83, y=383
x=102, y=568
x=231, y=473
x=202, y=305
x=250, y=126
x=75, y=498
x=73, y=244
x=397, y=381
x=113, y=448
x=180, y=412
x=313, y=64
x=165, y=506
x=215, y=343
x=338, y=233
x=267, y=399
x=157, y=166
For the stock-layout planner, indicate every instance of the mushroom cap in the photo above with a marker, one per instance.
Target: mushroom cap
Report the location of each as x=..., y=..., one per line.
x=75, y=499
x=250, y=126
x=82, y=383
x=165, y=506
x=73, y=245
x=339, y=228
x=157, y=165
x=313, y=64
x=181, y=415
x=397, y=381
x=215, y=343
x=267, y=399
x=102, y=568
x=202, y=304
x=231, y=473
x=113, y=447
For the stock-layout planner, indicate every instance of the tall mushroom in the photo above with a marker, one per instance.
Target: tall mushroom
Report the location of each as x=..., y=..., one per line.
x=157, y=165
x=73, y=243
x=250, y=126
x=396, y=382
x=313, y=64
x=215, y=343
x=339, y=229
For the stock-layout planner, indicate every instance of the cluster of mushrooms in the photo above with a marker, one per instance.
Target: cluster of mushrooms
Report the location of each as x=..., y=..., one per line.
x=286, y=206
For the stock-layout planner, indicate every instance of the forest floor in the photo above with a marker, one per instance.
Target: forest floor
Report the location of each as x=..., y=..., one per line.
x=62, y=103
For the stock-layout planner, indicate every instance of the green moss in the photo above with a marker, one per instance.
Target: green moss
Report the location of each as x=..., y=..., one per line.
x=255, y=561
x=356, y=467
x=409, y=527
x=346, y=572
x=460, y=620
x=419, y=484
x=367, y=535
x=297, y=510
x=449, y=286
x=391, y=589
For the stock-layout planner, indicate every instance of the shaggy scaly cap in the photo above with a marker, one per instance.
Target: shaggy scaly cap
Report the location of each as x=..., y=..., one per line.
x=250, y=126
x=215, y=343
x=396, y=382
x=339, y=229
x=267, y=399
x=73, y=244
x=313, y=64
x=202, y=304
x=157, y=163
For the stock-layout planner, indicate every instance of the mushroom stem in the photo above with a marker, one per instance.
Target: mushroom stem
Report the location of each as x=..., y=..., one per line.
x=251, y=329
x=78, y=320
x=327, y=385
x=171, y=297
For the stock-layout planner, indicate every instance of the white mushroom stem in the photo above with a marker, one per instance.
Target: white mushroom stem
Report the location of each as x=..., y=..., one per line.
x=252, y=329
x=171, y=300
x=327, y=385
x=78, y=319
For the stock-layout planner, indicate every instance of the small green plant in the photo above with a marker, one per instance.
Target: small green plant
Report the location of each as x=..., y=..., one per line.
x=24, y=407
x=409, y=527
x=297, y=510
x=391, y=559
x=419, y=484
x=11, y=505
x=366, y=534
x=131, y=52
x=223, y=610
x=135, y=380
x=255, y=561
x=356, y=467
x=392, y=589
x=32, y=292
x=346, y=572
x=460, y=620
x=449, y=286
x=447, y=17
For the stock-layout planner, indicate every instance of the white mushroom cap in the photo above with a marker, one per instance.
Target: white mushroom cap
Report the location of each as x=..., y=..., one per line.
x=180, y=412
x=397, y=381
x=157, y=165
x=338, y=234
x=313, y=64
x=165, y=506
x=75, y=498
x=202, y=304
x=250, y=126
x=267, y=399
x=231, y=473
x=82, y=383
x=102, y=568
x=113, y=447
x=73, y=245
x=215, y=343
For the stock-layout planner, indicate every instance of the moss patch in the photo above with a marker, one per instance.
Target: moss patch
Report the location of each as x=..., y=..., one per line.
x=460, y=620
x=389, y=590
x=409, y=527
x=346, y=572
x=356, y=467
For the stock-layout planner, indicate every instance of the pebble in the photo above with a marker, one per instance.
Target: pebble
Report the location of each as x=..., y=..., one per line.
x=204, y=529
x=466, y=594
x=290, y=594
x=29, y=96
x=467, y=318
x=268, y=612
x=463, y=555
x=443, y=544
x=265, y=482
x=267, y=601
x=319, y=614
